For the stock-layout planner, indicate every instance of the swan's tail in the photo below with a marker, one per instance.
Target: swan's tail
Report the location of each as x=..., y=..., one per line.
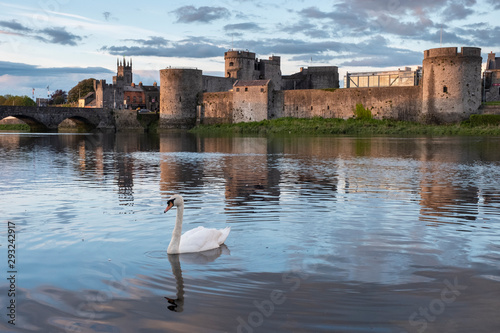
x=223, y=235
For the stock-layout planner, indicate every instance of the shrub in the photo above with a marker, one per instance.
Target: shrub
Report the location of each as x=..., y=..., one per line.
x=485, y=120
x=361, y=113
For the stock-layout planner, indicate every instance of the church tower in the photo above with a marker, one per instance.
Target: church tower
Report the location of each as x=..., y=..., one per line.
x=123, y=72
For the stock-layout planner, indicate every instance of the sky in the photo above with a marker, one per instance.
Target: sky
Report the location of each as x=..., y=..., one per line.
x=55, y=44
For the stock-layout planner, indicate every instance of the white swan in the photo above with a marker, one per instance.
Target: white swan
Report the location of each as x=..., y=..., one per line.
x=195, y=240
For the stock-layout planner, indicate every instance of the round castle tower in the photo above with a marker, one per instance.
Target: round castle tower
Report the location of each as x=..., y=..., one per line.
x=451, y=84
x=179, y=93
x=240, y=64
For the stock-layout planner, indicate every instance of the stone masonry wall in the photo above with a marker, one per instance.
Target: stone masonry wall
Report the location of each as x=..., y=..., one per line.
x=217, y=108
x=217, y=83
x=403, y=103
x=250, y=104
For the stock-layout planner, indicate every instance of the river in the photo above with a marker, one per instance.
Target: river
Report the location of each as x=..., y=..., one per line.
x=328, y=233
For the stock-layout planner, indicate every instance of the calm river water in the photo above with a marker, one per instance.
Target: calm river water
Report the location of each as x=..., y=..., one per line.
x=328, y=234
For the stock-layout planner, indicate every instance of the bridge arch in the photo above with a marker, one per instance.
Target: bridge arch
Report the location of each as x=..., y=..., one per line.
x=76, y=124
x=34, y=124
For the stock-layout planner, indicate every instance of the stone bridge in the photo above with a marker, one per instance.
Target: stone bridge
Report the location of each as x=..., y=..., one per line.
x=49, y=118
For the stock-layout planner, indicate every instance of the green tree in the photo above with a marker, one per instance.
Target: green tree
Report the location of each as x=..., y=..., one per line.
x=27, y=101
x=58, y=97
x=16, y=100
x=80, y=90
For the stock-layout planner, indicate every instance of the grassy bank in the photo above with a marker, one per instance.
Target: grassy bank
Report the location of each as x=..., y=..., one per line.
x=14, y=127
x=476, y=126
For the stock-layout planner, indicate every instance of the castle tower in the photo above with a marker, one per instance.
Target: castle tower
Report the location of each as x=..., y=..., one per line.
x=451, y=84
x=179, y=93
x=123, y=72
x=240, y=65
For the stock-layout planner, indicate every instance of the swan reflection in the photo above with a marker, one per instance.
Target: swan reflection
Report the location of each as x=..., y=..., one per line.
x=198, y=258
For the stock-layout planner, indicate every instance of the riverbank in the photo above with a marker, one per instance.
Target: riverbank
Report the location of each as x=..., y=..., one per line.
x=477, y=125
x=15, y=127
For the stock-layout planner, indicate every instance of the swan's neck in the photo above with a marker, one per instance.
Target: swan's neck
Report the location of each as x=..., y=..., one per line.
x=176, y=234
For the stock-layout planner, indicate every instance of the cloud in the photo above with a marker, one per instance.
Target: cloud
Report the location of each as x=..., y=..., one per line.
x=53, y=35
x=456, y=11
x=14, y=25
x=21, y=69
x=375, y=51
x=243, y=27
x=306, y=28
x=58, y=36
x=495, y=4
x=488, y=36
x=194, y=47
x=204, y=14
x=153, y=41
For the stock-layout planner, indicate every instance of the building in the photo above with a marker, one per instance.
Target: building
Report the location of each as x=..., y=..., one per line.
x=313, y=77
x=42, y=101
x=243, y=65
x=491, y=79
x=123, y=93
x=87, y=101
x=133, y=97
x=251, y=100
x=399, y=78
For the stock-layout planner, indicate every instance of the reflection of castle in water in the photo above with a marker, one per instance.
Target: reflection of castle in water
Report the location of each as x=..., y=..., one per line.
x=244, y=165
x=441, y=195
x=253, y=169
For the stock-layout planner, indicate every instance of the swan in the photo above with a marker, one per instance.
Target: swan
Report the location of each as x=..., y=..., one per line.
x=196, y=240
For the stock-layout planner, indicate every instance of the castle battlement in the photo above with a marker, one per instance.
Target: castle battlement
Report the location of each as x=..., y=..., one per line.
x=100, y=84
x=239, y=54
x=452, y=52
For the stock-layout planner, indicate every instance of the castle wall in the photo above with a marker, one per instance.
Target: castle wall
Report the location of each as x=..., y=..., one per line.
x=217, y=83
x=179, y=93
x=217, y=108
x=401, y=103
x=451, y=84
x=250, y=101
x=270, y=70
x=312, y=78
x=126, y=120
x=107, y=94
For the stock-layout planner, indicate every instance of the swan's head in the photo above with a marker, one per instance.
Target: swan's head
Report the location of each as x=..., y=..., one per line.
x=175, y=200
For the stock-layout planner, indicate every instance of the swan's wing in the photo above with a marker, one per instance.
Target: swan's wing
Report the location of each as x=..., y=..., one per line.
x=202, y=239
x=223, y=235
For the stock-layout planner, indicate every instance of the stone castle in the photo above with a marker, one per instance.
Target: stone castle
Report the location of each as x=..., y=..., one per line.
x=447, y=88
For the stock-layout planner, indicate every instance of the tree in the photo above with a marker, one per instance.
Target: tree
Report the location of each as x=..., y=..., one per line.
x=58, y=97
x=16, y=100
x=80, y=90
x=27, y=101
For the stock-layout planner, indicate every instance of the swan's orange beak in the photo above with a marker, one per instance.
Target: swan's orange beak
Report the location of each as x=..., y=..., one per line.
x=170, y=205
